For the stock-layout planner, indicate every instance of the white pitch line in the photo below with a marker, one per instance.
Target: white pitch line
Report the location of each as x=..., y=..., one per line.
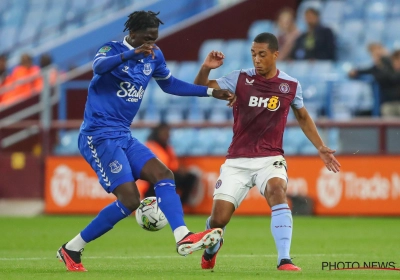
x=177, y=257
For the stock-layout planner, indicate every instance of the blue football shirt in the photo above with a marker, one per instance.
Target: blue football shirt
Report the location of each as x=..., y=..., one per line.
x=114, y=98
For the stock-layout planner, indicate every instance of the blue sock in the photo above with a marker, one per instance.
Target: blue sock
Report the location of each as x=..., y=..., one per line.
x=212, y=250
x=281, y=228
x=169, y=202
x=105, y=220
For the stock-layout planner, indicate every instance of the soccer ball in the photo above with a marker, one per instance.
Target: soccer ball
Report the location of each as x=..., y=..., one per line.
x=149, y=216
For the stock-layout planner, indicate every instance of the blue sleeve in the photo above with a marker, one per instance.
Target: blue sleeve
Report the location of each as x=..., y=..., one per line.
x=229, y=81
x=161, y=71
x=298, y=99
x=177, y=87
x=107, y=58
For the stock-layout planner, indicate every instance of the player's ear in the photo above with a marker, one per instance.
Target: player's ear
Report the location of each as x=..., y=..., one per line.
x=276, y=54
x=132, y=35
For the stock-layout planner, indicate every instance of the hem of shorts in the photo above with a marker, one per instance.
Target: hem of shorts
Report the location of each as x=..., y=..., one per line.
x=128, y=177
x=100, y=131
x=254, y=155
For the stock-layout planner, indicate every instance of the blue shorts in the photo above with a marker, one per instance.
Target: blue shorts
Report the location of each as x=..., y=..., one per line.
x=116, y=157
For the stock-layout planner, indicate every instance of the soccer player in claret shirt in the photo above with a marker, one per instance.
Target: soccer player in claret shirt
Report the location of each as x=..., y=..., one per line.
x=255, y=156
x=122, y=71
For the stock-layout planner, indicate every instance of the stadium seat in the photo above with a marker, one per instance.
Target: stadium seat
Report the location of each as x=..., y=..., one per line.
x=376, y=10
x=218, y=115
x=349, y=39
x=350, y=97
x=196, y=115
x=298, y=69
x=141, y=134
x=235, y=50
x=392, y=29
x=152, y=115
x=222, y=139
x=394, y=10
x=210, y=45
x=173, y=66
x=188, y=71
x=282, y=66
x=261, y=26
x=375, y=30
x=174, y=115
x=354, y=9
x=332, y=12
x=68, y=144
x=182, y=139
x=321, y=68
x=334, y=139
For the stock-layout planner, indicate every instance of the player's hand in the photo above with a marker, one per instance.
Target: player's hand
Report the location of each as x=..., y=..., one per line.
x=214, y=60
x=329, y=159
x=147, y=49
x=224, y=95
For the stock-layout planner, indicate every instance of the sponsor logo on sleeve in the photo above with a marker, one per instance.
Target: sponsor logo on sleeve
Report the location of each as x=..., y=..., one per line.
x=105, y=49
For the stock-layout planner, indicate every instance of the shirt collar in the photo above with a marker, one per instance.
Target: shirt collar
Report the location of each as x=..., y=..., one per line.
x=125, y=42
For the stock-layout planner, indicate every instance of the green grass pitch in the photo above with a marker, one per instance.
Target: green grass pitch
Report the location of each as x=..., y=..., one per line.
x=28, y=248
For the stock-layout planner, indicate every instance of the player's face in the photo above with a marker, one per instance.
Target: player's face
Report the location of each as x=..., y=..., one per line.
x=140, y=37
x=264, y=59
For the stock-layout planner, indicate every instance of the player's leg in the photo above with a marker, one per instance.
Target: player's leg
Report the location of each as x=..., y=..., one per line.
x=145, y=166
x=273, y=184
x=231, y=188
x=109, y=161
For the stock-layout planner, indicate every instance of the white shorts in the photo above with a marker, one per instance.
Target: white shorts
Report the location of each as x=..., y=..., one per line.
x=239, y=175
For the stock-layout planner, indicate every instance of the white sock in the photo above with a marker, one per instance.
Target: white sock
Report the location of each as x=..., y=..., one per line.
x=76, y=244
x=281, y=228
x=180, y=233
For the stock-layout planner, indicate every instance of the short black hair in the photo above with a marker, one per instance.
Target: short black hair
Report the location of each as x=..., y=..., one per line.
x=141, y=20
x=269, y=39
x=312, y=10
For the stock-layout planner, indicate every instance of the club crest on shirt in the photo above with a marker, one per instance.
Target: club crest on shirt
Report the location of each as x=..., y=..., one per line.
x=115, y=166
x=284, y=88
x=147, y=69
x=218, y=183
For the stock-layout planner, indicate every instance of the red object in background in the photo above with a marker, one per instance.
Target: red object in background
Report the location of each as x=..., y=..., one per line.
x=366, y=185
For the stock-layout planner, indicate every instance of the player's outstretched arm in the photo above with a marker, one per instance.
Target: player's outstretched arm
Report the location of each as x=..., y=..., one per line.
x=310, y=130
x=213, y=60
x=177, y=87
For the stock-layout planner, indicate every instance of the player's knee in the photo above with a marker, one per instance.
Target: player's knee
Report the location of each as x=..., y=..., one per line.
x=162, y=174
x=131, y=202
x=276, y=190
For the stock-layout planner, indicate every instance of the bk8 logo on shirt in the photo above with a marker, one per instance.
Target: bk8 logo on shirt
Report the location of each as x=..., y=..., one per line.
x=272, y=104
x=128, y=90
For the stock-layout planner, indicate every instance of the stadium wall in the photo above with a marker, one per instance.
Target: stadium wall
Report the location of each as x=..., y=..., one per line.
x=231, y=23
x=361, y=188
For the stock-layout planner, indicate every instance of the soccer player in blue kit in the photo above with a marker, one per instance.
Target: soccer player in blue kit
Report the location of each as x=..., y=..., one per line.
x=122, y=71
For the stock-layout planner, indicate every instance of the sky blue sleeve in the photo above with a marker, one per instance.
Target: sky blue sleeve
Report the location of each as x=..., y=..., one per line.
x=229, y=81
x=298, y=99
x=161, y=72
